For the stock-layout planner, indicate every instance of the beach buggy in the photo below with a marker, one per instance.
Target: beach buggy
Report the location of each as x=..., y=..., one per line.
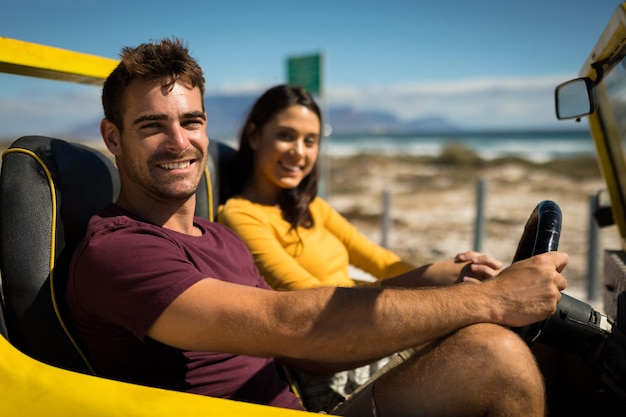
x=49, y=188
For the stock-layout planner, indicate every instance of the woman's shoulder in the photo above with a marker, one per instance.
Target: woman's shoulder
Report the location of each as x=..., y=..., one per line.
x=236, y=202
x=320, y=206
x=237, y=208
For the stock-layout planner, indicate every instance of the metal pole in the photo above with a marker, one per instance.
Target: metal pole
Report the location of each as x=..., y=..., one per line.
x=479, y=226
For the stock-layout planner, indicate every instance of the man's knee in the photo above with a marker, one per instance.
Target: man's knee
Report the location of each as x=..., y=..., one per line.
x=492, y=338
x=483, y=368
x=493, y=341
x=500, y=354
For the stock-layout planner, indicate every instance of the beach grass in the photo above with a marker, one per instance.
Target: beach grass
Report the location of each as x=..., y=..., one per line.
x=433, y=202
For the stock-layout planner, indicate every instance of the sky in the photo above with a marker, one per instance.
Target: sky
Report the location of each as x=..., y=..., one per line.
x=485, y=64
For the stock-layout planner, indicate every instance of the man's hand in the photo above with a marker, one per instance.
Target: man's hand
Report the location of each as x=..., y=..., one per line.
x=529, y=290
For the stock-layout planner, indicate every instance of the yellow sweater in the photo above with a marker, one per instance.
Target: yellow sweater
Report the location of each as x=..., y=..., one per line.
x=320, y=256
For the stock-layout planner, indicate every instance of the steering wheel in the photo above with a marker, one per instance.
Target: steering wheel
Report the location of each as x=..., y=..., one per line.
x=541, y=234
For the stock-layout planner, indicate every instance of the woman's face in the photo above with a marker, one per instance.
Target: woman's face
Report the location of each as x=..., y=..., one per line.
x=285, y=150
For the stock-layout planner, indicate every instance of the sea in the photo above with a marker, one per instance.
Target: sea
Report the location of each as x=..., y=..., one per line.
x=537, y=146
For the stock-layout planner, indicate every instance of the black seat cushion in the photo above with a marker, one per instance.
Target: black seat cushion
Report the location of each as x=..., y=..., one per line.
x=83, y=181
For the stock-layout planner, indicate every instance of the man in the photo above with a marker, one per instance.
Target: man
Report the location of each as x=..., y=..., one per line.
x=161, y=298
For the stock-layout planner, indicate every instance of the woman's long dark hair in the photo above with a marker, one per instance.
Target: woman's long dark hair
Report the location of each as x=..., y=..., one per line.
x=294, y=202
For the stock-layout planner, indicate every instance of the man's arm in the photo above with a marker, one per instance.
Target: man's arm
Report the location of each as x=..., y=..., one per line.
x=338, y=325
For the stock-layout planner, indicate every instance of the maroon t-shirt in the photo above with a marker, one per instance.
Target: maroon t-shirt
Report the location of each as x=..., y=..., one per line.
x=122, y=277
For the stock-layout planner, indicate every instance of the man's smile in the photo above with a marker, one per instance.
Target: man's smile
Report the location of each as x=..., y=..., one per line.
x=175, y=165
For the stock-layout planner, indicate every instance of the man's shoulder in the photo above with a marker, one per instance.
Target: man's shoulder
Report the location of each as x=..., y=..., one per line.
x=113, y=225
x=114, y=218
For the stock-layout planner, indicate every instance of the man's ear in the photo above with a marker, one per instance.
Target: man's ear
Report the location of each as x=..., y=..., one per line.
x=111, y=136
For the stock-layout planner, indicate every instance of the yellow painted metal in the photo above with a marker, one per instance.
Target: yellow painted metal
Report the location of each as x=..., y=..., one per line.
x=610, y=41
x=31, y=388
x=609, y=150
x=35, y=60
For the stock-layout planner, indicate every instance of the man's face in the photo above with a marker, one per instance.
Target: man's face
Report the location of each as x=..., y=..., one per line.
x=163, y=146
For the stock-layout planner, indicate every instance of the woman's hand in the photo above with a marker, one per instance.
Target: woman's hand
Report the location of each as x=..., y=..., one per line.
x=469, y=266
x=478, y=266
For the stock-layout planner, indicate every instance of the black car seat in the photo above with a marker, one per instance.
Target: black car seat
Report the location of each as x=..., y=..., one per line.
x=49, y=188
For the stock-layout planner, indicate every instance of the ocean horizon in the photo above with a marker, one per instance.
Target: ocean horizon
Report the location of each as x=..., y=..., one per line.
x=537, y=146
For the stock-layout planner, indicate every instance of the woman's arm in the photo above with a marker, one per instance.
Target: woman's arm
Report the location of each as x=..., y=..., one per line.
x=467, y=266
x=363, y=253
x=384, y=264
x=279, y=268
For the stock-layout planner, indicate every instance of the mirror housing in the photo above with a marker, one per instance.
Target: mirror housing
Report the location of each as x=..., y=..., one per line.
x=575, y=98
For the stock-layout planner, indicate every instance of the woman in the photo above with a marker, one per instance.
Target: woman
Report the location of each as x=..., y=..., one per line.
x=297, y=239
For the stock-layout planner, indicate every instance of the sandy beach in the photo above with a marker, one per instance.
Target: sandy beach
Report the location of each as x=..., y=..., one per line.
x=433, y=204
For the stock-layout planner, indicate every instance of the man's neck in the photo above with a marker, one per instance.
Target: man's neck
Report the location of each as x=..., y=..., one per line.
x=173, y=215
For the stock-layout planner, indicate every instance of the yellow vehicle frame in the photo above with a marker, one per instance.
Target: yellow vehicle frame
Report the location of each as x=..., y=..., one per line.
x=610, y=142
x=609, y=149
x=34, y=60
x=32, y=388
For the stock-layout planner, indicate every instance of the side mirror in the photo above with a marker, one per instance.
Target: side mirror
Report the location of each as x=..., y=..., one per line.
x=575, y=98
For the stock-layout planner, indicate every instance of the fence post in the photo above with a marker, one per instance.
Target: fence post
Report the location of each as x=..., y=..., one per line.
x=479, y=225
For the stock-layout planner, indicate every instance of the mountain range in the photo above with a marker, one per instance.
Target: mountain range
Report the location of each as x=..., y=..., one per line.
x=226, y=113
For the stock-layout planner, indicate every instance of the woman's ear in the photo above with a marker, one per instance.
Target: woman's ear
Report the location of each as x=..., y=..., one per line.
x=111, y=136
x=253, y=136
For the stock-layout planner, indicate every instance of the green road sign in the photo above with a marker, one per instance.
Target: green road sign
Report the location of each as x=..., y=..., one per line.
x=306, y=71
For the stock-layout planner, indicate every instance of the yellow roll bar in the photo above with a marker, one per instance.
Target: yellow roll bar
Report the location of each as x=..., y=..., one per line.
x=35, y=60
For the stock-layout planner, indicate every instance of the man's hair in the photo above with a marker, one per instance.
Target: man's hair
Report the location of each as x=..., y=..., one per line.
x=167, y=61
